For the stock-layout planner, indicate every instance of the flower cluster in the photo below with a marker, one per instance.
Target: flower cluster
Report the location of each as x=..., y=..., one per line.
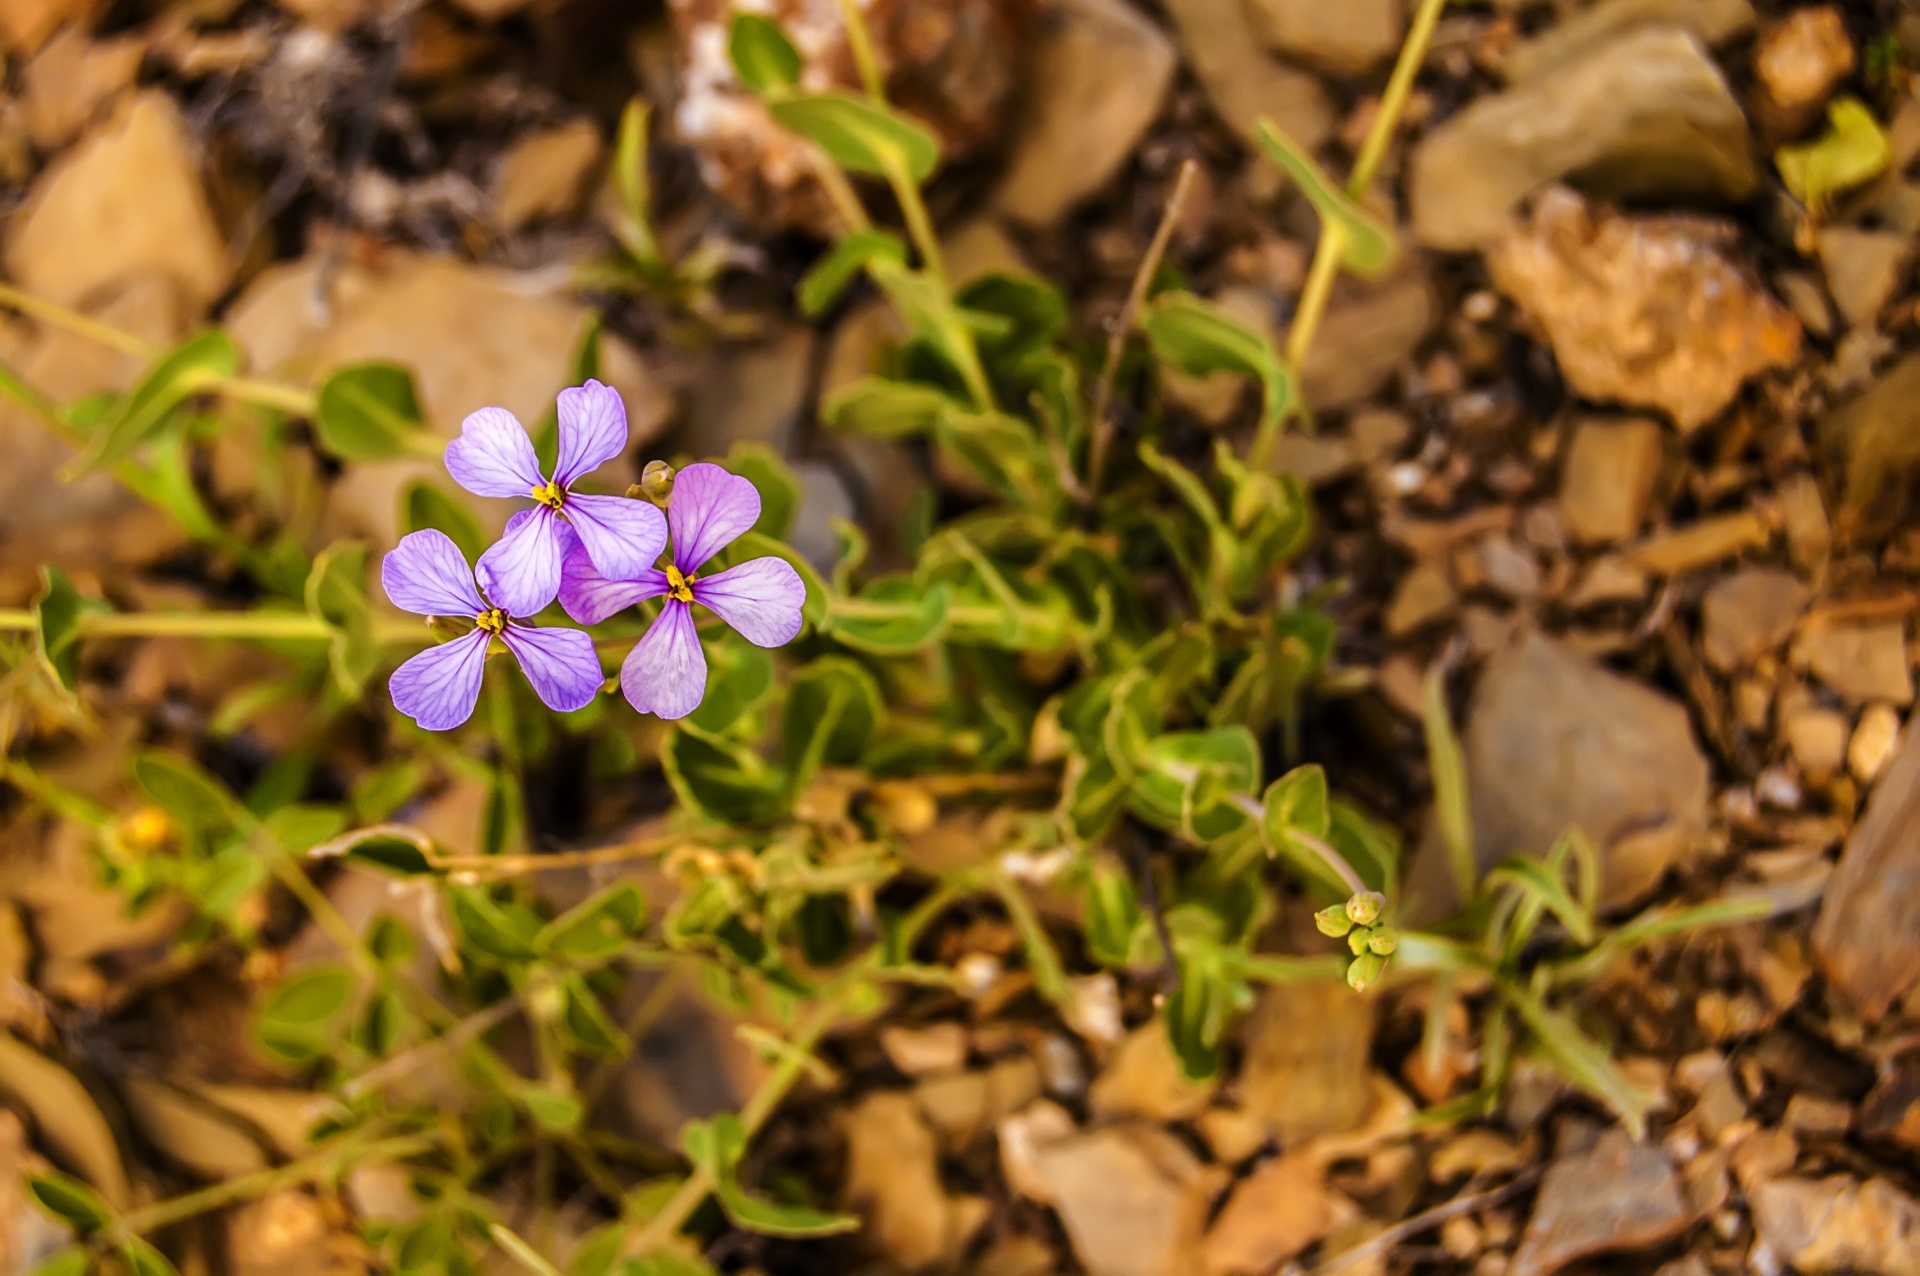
x=598, y=555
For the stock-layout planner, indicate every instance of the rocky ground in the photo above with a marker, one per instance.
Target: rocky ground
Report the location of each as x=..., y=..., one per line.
x=1626, y=442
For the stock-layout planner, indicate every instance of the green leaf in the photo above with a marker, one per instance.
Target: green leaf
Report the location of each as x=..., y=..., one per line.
x=425, y=504
x=1190, y=777
x=892, y=616
x=144, y=1259
x=832, y=710
x=184, y=791
x=860, y=135
x=57, y=614
x=717, y=1146
x=586, y=1023
x=1298, y=800
x=1197, y=338
x=336, y=593
x=775, y=481
x=724, y=781
x=634, y=226
x=1580, y=1058
x=1452, y=805
x=1548, y=890
x=1854, y=150
x=882, y=408
x=741, y=678
x=1003, y=451
x=551, y=1108
x=763, y=57
x=296, y=1020
x=1366, y=244
x=499, y=933
x=1197, y=1013
x=830, y=276
x=301, y=826
x=1113, y=915
x=72, y=1261
x=369, y=412
x=68, y=1198
x=195, y=365
x=597, y=928
x=1034, y=313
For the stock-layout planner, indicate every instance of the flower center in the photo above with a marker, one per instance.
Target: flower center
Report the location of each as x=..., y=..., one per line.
x=491, y=621
x=550, y=494
x=680, y=588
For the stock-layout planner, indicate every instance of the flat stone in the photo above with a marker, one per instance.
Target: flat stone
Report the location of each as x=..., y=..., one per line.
x=1608, y=579
x=1143, y=1079
x=1272, y=1215
x=1818, y=738
x=1872, y=744
x=1348, y=37
x=1804, y=511
x=963, y=1104
x=1835, y=1224
x=25, y=24
x=1891, y=1113
x=1800, y=59
x=1242, y=80
x=1308, y=1083
x=1424, y=595
x=1555, y=741
x=1712, y=22
x=1861, y=662
x=285, y=1233
x=1508, y=568
x=1607, y=478
x=938, y=1047
x=127, y=201
x=1645, y=117
x=1367, y=336
x=1647, y=311
x=1101, y=72
x=1697, y=545
x=1133, y=1200
x=1867, y=938
x=1616, y=1195
x=753, y=393
x=1863, y=268
x=893, y=1179
x=1749, y=613
x=71, y=79
x=545, y=174
x=1876, y=433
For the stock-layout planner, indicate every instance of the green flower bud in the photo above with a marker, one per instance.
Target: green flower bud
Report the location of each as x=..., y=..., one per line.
x=1365, y=907
x=1333, y=921
x=656, y=481
x=1365, y=969
x=1382, y=941
x=1357, y=940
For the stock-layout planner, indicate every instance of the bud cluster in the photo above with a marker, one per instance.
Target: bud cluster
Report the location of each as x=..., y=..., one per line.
x=1358, y=921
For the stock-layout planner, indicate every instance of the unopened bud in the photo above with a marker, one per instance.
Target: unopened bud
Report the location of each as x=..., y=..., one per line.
x=1357, y=940
x=1365, y=907
x=656, y=482
x=1382, y=941
x=147, y=829
x=1333, y=921
x=1365, y=969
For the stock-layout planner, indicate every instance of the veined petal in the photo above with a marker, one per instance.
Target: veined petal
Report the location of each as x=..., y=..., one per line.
x=622, y=536
x=709, y=509
x=521, y=573
x=666, y=672
x=493, y=456
x=438, y=687
x=427, y=575
x=760, y=598
x=560, y=663
x=590, y=598
x=593, y=430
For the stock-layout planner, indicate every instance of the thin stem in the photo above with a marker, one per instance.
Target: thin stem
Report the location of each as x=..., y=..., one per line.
x=919, y=221
x=524, y=1254
x=862, y=45
x=80, y=325
x=840, y=193
x=269, y=394
x=314, y=1166
x=412, y=1060
x=257, y=626
x=1123, y=323
x=1313, y=296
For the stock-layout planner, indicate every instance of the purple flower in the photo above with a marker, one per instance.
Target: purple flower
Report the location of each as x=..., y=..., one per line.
x=428, y=575
x=666, y=673
x=494, y=457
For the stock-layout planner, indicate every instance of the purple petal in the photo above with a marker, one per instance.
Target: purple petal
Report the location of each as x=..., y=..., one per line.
x=560, y=663
x=623, y=536
x=438, y=687
x=666, y=672
x=493, y=456
x=590, y=598
x=593, y=430
x=521, y=573
x=709, y=509
x=760, y=598
x=427, y=575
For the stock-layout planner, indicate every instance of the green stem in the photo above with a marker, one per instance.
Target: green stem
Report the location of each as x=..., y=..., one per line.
x=269, y=394
x=317, y=1165
x=524, y=1254
x=862, y=45
x=59, y=316
x=250, y=625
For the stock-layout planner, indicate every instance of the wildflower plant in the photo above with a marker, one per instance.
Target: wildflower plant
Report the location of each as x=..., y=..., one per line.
x=1090, y=642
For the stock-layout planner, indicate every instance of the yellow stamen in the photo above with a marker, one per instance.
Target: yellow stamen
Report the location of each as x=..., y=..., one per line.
x=550, y=495
x=491, y=621
x=679, y=588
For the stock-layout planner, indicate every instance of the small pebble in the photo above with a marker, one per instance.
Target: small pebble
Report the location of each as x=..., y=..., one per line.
x=1873, y=741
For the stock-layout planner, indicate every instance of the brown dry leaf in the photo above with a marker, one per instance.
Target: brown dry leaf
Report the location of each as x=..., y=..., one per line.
x=66, y=1117
x=1273, y=1214
x=1143, y=1079
x=187, y=1131
x=893, y=1178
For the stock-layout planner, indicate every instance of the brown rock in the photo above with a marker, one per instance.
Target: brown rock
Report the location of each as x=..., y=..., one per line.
x=25, y=24
x=1608, y=478
x=1143, y=1079
x=545, y=174
x=1872, y=744
x=1835, y=1224
x=1809, y=535
x=1863, y=269
x=1368, y=336
x=1891, y=1113
x=1867, y=939
x=963, y=1104
x=1861, y=662
x=893, y=1179
x=128, y=201
x=1616, y=1195
x=1424, y=595
x=1876, y=434
x=287, y=1234
x=1021, y=1136
x=1748, y=613
x=1243, y=82
x=938, y=1047
x=1642, y=310
x=1818, y=738
x=1273, y=1214
x=1308, y=1083
x=1685, y=549
x=1800, y=58
x=1101, y=71
x=1712, y=22
x=1132, y=1198
x=71, y=79
x=1348, y=37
